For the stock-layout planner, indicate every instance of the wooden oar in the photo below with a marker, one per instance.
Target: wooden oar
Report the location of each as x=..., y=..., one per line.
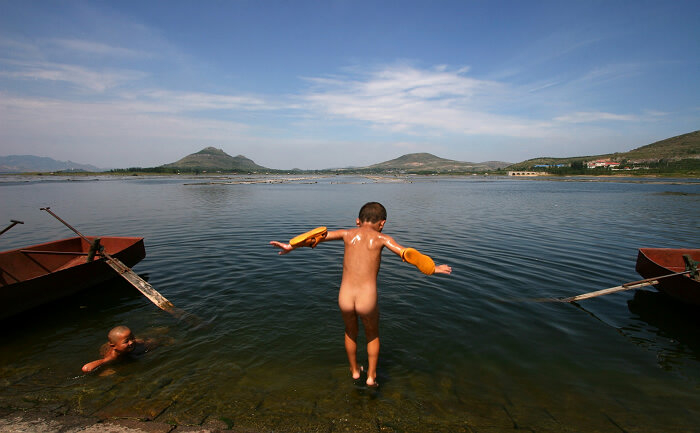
x=13, y=223
x=129, y=275
x=626, y=286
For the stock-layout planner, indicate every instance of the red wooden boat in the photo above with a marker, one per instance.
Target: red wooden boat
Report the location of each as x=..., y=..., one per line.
x=655, y=262
x=39, y=274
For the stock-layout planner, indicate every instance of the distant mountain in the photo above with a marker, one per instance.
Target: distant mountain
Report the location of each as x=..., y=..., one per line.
x=30, y=163
x=682, y=151
x=426, y=162
x=213, y=159
x=686, y=146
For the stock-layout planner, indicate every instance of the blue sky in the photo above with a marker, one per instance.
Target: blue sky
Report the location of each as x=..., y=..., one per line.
x=319, y=84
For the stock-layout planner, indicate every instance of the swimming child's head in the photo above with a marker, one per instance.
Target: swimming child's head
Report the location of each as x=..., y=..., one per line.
x=121, y=339
x=372, y=212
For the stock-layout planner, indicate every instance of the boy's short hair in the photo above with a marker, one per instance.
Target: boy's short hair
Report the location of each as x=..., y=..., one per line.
x=117, y=332
x=372, y=212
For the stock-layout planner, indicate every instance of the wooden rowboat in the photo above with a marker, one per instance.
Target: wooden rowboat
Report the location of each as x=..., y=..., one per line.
x=655, y=262
x=39, y=274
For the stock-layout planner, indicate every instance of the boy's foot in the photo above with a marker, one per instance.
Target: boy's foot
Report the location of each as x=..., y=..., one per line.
x=372, y=383
x=356, y=374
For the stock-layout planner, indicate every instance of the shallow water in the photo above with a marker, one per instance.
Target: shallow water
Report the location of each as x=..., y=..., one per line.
x=468, y=352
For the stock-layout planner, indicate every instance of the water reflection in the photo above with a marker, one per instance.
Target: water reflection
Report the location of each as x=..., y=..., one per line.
x=666, y=326
x=209, y=197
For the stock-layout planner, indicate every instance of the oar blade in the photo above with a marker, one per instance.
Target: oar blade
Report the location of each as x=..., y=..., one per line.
x=140, y=284
x=608, y=291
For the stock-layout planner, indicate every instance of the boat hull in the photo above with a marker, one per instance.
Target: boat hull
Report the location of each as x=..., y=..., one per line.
x=40, y=274
x=655, y=262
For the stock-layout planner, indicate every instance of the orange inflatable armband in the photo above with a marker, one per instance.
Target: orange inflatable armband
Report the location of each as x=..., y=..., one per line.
x=424, y=263
x=310, y=238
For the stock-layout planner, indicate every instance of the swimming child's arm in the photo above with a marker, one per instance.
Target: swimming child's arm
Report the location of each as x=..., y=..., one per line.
x=94, y=364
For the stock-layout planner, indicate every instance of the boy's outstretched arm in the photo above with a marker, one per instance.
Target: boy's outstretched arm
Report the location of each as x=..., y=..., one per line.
x=399, y=250
x=94, y=364
x=287, y=247
x=283, y=246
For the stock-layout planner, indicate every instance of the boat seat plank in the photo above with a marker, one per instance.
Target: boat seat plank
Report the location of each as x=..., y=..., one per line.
x=74, y=253
x=69, y=264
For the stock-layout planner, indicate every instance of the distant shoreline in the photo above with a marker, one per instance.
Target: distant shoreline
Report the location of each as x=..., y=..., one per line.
x=269, y=179
x=315, y=175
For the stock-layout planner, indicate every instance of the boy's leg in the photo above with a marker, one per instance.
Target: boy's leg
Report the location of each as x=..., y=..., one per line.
x=351, y=330
x=371, y=323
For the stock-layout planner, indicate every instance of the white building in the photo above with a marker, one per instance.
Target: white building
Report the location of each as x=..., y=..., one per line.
x=602, y=163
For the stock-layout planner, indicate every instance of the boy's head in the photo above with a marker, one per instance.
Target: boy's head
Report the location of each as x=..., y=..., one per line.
x=372, y=212
x=121, y=339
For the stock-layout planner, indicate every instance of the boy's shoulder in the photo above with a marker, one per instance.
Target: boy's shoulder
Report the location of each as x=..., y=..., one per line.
x=104, y=349
x=376, y=235
x=385, y=237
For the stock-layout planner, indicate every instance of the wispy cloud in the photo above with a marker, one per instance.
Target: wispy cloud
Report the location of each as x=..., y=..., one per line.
x=590, y=117
x=18, y=47
x=79, y=76
x=610, y=72
x=536, y=87
x=656, y=113
x=94, y=48
x=158, y=100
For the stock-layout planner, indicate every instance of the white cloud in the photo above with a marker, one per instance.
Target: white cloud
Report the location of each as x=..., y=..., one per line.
x=417, y=101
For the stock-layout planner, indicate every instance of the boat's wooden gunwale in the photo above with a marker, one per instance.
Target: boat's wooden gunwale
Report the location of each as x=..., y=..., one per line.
x=655, y=262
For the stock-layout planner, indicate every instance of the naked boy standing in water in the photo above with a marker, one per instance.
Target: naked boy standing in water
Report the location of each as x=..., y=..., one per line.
x=358, y=289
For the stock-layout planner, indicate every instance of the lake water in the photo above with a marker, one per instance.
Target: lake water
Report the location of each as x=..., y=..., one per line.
x=467, y=352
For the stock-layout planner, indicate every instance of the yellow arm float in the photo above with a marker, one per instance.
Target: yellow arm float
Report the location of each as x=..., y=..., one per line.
x=310, y=238
x=424, y=263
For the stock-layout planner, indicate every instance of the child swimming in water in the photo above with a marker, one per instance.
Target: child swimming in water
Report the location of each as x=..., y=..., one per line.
x=358, y=289
x=120, y=343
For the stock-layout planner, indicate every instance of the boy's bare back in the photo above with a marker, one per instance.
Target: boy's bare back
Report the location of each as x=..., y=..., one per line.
x=361, y=261
x=363, y=252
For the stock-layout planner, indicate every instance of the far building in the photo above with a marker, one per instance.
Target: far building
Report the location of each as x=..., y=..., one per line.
x=602, y=163
x=526, y=173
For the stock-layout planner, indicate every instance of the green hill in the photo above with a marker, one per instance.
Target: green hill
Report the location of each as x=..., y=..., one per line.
x=426, y=162
x=212, y=159
x=680, y=152
x=675, y=148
